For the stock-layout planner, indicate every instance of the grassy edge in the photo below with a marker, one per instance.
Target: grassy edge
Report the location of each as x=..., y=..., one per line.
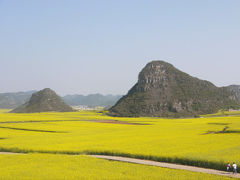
x=176, y=160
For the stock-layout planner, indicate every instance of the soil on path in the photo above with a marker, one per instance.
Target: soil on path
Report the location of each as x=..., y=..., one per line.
x=168, y=165
x=9, y=153
x=159, y=164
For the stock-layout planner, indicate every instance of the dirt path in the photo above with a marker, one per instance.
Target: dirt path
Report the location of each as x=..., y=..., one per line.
x=9, y=153
x=159, y=164
x=168, y=165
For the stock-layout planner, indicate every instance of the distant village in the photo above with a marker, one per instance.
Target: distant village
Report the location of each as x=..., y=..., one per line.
x=87, y=108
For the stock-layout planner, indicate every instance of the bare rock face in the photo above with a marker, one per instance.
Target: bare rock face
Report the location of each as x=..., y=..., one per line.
x=164, y=91
x=44, y=101
x=235, y=89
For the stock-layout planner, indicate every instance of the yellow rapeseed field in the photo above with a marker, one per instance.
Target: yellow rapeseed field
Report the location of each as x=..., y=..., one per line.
x=48, y=166
x=185, y=141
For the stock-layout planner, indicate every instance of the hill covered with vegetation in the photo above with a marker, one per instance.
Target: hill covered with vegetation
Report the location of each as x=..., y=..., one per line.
x=44, y=101
x=164, y=91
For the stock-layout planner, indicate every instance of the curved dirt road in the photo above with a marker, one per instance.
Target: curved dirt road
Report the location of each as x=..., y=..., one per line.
x=159, y=164
x=168, y=165
x=10, y=153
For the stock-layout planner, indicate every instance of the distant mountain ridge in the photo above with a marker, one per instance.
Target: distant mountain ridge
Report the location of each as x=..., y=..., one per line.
x=164, y=91
x=91, y=100
x=14, y=99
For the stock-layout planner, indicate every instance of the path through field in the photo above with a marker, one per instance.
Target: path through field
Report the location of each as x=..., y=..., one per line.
x=167, y=165
x=159, y=164
x=10, y=153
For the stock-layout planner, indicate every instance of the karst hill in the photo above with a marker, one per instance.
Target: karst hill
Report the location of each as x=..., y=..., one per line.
x=164, y=91
x=44, y=101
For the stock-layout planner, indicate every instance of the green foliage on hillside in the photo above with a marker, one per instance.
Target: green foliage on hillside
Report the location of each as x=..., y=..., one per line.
x=44, y=101
x=162, y=90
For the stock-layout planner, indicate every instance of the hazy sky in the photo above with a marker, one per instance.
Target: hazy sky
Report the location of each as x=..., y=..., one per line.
x=92, y=46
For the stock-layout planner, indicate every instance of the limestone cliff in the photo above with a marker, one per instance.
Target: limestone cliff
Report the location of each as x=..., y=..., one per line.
x=164, y=91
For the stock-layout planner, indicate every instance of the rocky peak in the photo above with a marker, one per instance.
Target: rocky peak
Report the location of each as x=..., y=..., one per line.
x=154, y=75
x=43, y=95
x=163, y=90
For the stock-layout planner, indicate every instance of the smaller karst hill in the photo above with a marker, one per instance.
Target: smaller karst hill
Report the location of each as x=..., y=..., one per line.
x=45, y=100
x=164, y=91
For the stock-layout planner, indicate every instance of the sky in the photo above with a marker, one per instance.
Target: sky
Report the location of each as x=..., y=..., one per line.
x=92, y=46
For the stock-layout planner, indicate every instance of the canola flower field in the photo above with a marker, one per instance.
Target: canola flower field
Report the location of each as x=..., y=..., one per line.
x=198, y=141
x=48, y=166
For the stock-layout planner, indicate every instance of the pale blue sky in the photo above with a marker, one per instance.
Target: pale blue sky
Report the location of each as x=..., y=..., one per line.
x=92, y=46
